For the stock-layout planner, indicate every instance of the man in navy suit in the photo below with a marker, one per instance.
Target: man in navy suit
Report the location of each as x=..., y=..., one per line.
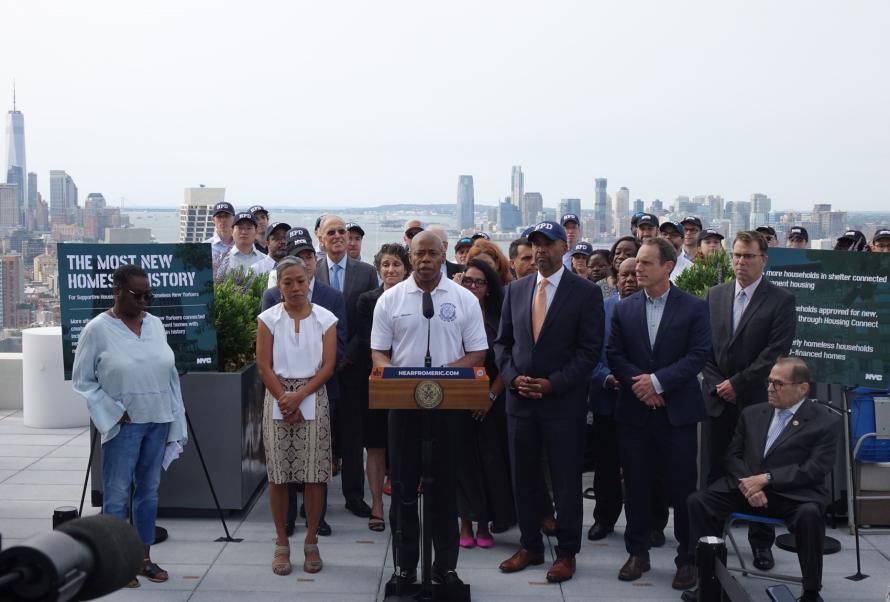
x=660, y=340
x=299, y=244
x=550, y=338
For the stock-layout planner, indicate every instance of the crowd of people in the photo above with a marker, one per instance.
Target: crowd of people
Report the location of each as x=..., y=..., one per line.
x=595, y=360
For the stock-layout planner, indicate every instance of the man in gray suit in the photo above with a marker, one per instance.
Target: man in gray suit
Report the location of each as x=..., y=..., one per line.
x=752, y=324
x=352, y=278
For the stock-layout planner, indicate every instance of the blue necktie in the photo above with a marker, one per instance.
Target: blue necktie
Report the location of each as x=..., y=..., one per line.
x=777, y=428
x=335, y=279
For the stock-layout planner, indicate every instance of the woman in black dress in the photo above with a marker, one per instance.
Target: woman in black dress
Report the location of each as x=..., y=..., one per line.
x=393, y=267
x=484, y=492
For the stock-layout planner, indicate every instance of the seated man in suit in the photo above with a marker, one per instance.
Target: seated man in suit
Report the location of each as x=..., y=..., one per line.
x=777, y=464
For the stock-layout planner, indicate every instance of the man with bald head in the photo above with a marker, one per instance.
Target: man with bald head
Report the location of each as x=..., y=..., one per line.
x=399, y=338
x=448, y=269
x=351, y=278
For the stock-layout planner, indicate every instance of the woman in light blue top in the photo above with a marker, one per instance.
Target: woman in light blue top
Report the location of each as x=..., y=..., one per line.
x=125, y=370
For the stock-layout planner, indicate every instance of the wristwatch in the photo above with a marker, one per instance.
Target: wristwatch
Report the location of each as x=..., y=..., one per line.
x=769, y=476
x=491, y=396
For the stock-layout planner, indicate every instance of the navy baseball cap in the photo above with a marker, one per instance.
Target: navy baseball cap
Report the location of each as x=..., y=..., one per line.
x=464, y=241
x=527, y=231
x=298, y=240
x=569, y=217
x=258, y=209
x=223, y=208
x=881, y=234
x=245, y=215
x=484, y=235
x=354, y=227
x=671, y=225
x=799, y=232
x=276, y=226
x=551, y=230
x=691, y=219
x=709, y=234
x=583, y=248
x=647, y=219
x=766, y=230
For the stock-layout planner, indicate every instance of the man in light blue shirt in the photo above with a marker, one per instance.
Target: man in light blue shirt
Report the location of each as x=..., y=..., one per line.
x=222, y=241
x=244, y=254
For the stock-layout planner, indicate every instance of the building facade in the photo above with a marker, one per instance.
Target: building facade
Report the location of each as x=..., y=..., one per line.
x=195, y=213
x=466, y=203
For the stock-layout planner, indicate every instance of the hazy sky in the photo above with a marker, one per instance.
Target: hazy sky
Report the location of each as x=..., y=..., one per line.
x=362, y=103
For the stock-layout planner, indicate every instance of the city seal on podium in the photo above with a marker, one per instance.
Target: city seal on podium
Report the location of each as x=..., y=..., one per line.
x=428, y=395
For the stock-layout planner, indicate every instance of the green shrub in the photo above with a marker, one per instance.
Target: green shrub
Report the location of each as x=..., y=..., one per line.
x=237, y=300
x=704, y=273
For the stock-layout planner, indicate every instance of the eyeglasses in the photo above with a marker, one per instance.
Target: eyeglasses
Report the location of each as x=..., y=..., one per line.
x=745, y=256
x=147, y=296
x=474, y=282
x=778, y=384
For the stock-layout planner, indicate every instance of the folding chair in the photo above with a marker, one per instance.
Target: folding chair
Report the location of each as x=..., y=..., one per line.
x=743, y=569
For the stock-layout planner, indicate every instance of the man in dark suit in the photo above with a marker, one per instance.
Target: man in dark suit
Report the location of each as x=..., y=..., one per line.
x=299, y=244
x=550, y=338
x=752, y=324
x=351, y=278
x=449, y=268
x=776, y=466
x=659, y=341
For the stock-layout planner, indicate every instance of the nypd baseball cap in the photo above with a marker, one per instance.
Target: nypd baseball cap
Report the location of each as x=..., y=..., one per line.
x=569, y=217
x=675, y=226
x=881, y=234
x=691, y=219
x=223, y=208
x=647, y=219
x=551, y=230
x=245, y=215
x=766, y=230
x=276, y=226
x=708, y=233
x=799, y=232
x=583, y=248
x=298, y=240
x=527, y=231
x=354, y=227
x=258, y=209
x=483, y=235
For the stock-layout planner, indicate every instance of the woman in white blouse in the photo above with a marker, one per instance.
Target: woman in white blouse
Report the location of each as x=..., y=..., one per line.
x=125, y=370
x=296, y=346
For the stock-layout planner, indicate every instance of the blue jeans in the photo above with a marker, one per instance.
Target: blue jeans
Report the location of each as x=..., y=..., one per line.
x=134, y=456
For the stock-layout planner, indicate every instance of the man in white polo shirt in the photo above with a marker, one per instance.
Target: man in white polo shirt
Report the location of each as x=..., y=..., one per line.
x=398, y=338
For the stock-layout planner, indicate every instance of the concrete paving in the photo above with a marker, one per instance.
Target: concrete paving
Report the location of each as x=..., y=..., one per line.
x=43, y=469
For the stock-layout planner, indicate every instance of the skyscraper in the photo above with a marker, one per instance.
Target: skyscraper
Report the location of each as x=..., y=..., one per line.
x=532, y=205
x=760, y=208
x=12, y=288
x=466, y=207
x=509, y=217
x=16, y=171
x=600, y=206
x=10, y=216
x=571, y=206
x=622, y=212
x=517, y=185
x=195, y=219
x=62, y=198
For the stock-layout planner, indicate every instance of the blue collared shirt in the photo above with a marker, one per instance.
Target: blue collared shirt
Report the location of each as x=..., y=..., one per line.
x=654, y=313
x=342, y=264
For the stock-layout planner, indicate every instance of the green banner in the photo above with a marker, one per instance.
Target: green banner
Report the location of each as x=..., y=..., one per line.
x=181, y=279
x=843, y=312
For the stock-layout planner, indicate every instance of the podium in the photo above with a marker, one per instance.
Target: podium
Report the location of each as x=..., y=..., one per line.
x=426, y=390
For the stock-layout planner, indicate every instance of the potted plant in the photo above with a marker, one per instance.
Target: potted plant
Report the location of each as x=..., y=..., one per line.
x=704, y=273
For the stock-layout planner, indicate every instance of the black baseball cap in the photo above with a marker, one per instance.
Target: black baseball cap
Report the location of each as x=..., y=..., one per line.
x=223, y=208
x=483, y=235
x=647, y=219
x=854, y=235
x=464, y=241
x=675, y=226
x=881, y=234
x=635, y=218
x=245, y=215
x=569, y=217
x=799, y=232
x=691, y=219
x=583, y=248
x=258, y=209
x=766, y=230
x=276, y=226
x=298, y=240
x=708, y=233
x=354, y=227
x=551, y=230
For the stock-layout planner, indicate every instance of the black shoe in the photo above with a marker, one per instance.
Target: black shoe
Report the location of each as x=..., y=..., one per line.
x=402, y=579
x=289, y=528
x=324, y=529
x=656, y=538
x=302, y=511
x=763, y=559
x=810, y=597
x=448, y=578
x=359, y=508
x=690, y=595
x=598, y=531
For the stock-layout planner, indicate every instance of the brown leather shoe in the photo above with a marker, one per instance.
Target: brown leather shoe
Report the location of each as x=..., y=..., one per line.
x=520, y=560
x=548, y=526
x=685, y=577
x=634, y=568
x=562, y=570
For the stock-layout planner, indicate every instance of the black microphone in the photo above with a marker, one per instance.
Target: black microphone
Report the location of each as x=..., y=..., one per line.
x=83, y=559
x=428, y=313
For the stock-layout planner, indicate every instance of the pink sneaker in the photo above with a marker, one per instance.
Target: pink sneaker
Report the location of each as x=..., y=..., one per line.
x=484, y=542
x=467, y=542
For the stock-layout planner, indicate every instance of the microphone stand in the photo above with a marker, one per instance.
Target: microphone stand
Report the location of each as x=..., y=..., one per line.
x=426, y=534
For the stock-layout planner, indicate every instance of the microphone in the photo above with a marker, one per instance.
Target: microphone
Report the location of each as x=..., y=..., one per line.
x=428, y=313
x=83, y=559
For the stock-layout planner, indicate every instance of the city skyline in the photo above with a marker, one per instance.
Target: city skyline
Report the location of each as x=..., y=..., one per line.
x=702, y=99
